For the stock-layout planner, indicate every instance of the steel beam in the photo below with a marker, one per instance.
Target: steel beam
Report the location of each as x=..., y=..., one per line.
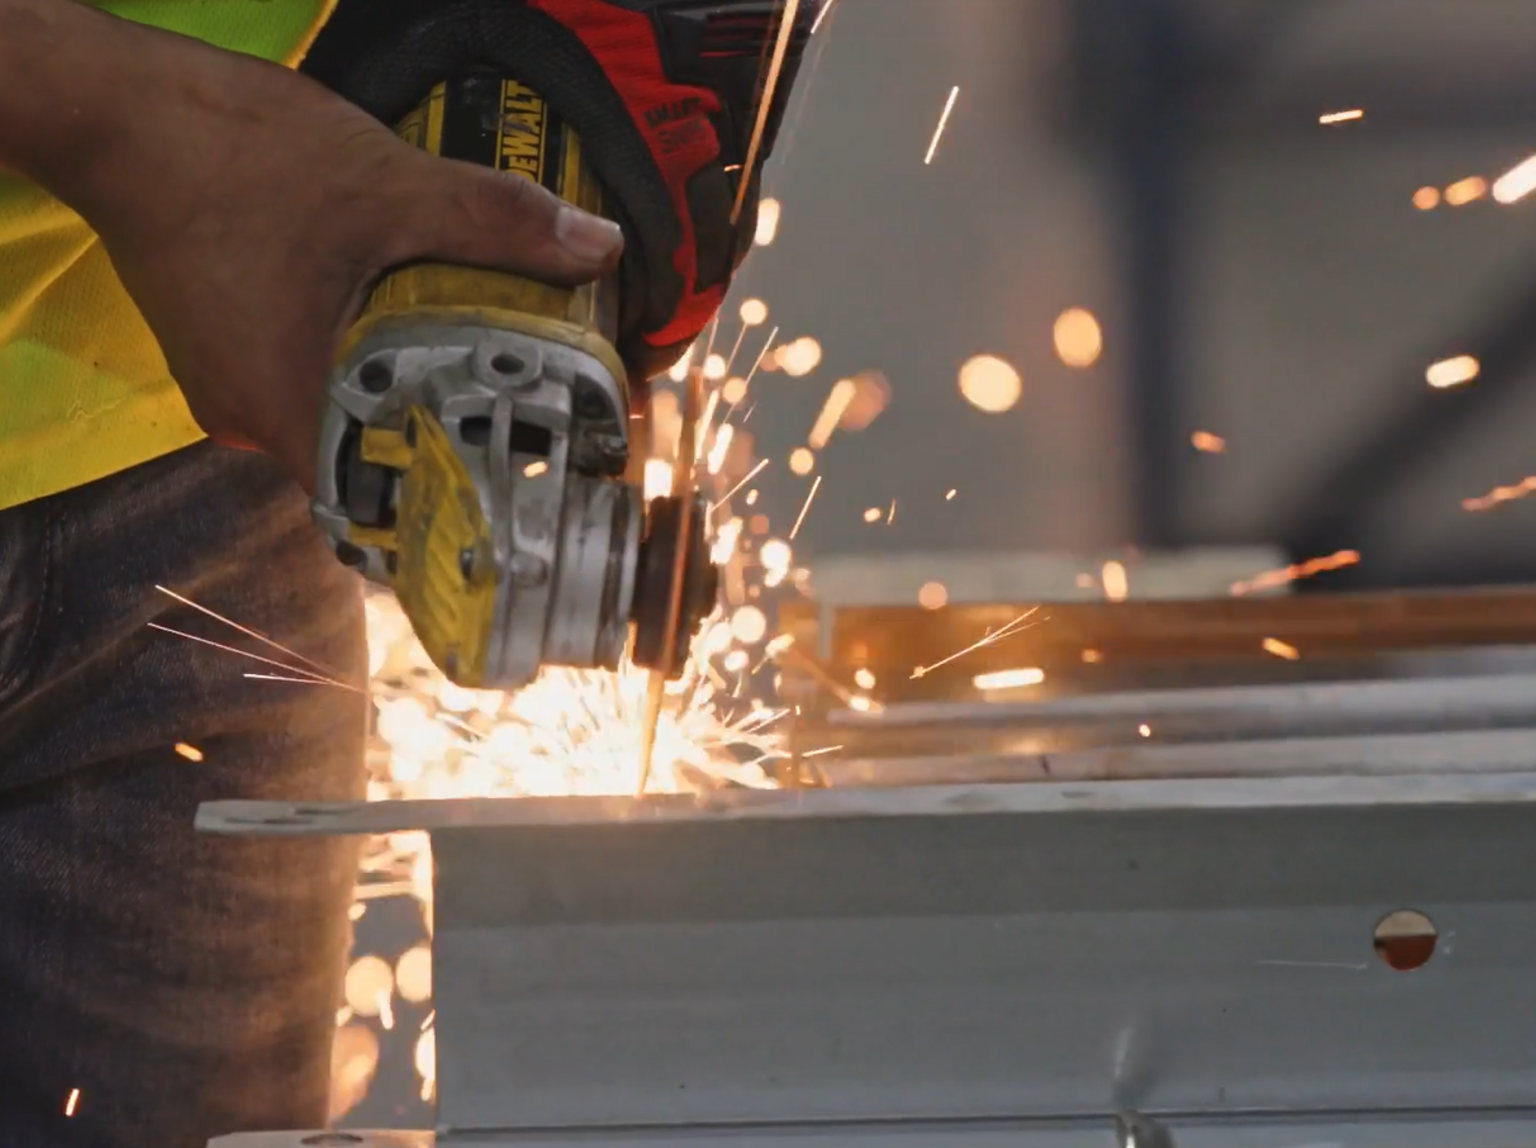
x=994, y=964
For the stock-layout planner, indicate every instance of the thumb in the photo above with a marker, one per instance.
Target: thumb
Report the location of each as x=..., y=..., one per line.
x=484, y=218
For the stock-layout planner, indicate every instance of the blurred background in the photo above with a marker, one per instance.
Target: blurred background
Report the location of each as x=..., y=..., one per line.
x=1272, y=288
x=1133, y=298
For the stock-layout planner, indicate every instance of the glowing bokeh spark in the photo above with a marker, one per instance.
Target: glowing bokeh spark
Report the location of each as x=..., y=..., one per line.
x=990, y=384
x=938, y=132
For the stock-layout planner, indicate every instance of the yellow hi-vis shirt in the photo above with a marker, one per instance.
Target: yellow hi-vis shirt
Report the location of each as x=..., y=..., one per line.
x=84, y=389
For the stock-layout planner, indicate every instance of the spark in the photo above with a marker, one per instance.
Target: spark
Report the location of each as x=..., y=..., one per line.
x=72, y=1103
x=1079, y=339
x=751, y=498
x=768, y=212
x=300, y=681
x=802, y=461
x=992, y=637
x=747, y=382
x=804, y=510
x=1281, y=649
x=714, y=367
x=1271, y=578
x=765, y=105
x=1427, y=198
x=1341, y=117
x=534, y=469
x=872, y=515
x=1516, y=183
x=754, y=312
x=385, y=1010
x=1144, y=729
x=1208, y=443
x=716, y=457
x=324, y=670
x=1116, y=585
x=1092, y=657
x=822, y=752
x=1452, y=372
x=1501, y=494
x=800, y=358
x=990, y=384
x=190, y=752
x=1465, y=191
x=741, y=336
x=247, y=654
x=751, y=474
x=864, y=679
x=938, y=132
x=950, y=497
x=932, y=595
x=1009, y=679
x=826, y=7
x=839, y=399
x=891, y=517
x=749, y=626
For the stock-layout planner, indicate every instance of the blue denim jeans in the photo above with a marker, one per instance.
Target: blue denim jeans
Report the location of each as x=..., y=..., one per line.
x=186, y=985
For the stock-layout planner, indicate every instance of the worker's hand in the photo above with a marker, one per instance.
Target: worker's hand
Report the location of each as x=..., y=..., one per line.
x=247, y=211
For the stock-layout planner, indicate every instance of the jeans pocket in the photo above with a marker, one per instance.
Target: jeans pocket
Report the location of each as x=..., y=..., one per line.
x=27, y=563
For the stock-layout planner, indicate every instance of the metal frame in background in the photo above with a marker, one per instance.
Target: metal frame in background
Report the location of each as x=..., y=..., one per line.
x=1017, y=964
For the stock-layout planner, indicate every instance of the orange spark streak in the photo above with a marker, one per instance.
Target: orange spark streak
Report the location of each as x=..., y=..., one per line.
x=1281, y=649
x=1272, y=578
x=826, y=7
x=190, y=752
x=72, y=1103
x=770, y=85
x=804, y=510
x=751, y=474
x=325, y=670
x=938, y=132
x=1500, y=494
x=1009, y=630
x=1341, y=117
x=248, y=654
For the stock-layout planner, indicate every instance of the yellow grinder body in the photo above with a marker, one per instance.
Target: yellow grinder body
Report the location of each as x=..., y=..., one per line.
x=476, y=452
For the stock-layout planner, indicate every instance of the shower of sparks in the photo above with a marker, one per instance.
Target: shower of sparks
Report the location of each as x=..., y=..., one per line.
x=750, y=475
x=320, y=667
x=190, y=752
x=1501, y=494
x=1208, y=443
x=765, y=105
x=992, y=637
x=938, y=132
x=317, y=678
x=1341, y=117
x=72, y=1103
x=806, y=509
x=1281, y=649
x=1269, y=579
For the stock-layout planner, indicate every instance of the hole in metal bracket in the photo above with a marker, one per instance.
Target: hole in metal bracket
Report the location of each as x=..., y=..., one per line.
x=1405, y=939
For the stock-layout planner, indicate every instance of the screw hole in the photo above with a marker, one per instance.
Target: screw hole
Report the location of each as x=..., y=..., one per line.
x=374, y=376
x=505, y=364
x=1405, y=940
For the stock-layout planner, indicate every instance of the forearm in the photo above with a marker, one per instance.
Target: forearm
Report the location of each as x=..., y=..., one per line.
x=71, y=79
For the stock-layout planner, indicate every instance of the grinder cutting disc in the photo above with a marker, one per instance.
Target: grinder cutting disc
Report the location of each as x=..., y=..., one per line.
x=676, y=533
